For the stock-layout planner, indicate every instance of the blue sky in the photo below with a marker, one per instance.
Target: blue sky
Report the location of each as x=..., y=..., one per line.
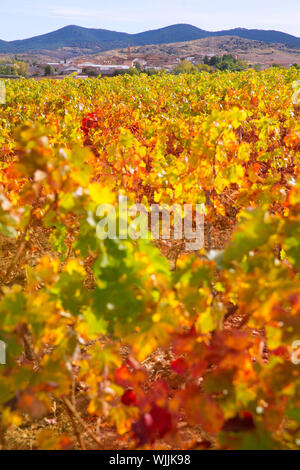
x=20, y=19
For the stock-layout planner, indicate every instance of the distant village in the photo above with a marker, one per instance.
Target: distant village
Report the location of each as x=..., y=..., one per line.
x=123, y=62
x=110, y=65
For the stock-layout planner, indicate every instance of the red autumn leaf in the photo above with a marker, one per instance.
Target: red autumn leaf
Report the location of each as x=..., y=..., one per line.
x=123, y=376
x=179, y=366
x=129, y=398
x=89, y=122
x=162, y=420
x=281, y=351
x=153, y=425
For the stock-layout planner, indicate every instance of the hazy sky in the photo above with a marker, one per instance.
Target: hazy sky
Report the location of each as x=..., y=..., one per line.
x=20, y=19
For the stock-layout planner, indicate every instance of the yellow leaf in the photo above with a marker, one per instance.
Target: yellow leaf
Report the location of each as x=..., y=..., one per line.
x=100, y=194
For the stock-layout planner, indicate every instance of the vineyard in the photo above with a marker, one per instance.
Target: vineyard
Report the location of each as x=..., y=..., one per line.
x=141, y=344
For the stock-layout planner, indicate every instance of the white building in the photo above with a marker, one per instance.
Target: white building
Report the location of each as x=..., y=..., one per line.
x=102, y=69
x=71, y=69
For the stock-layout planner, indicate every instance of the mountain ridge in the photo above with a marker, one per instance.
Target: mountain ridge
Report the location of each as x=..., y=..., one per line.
x=103, y=40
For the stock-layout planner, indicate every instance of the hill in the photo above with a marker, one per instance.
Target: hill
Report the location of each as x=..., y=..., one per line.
x=261, y=35
x=252, y=52
x=76, y=38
